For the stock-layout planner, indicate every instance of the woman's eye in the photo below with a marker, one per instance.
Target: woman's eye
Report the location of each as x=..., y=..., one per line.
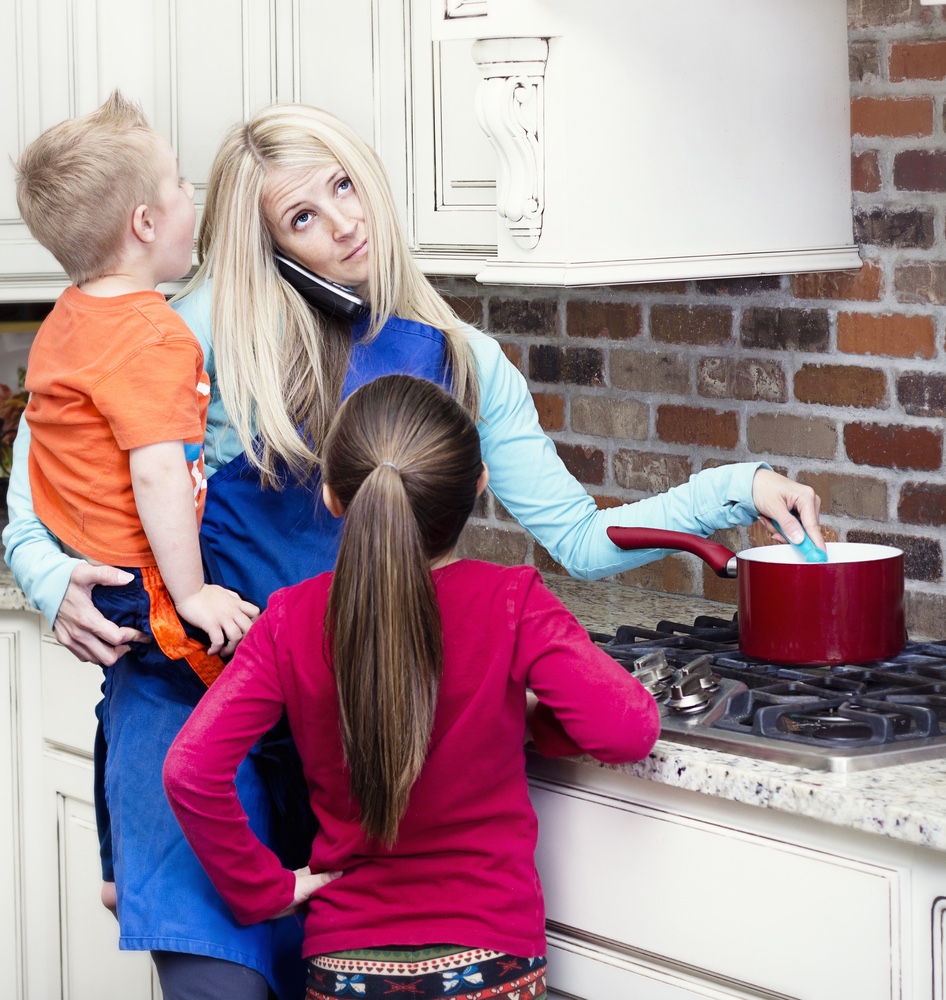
x=345, y=185
x=301, y=220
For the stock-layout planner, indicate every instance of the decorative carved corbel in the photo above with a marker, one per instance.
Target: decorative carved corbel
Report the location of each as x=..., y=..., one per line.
x=510, y=107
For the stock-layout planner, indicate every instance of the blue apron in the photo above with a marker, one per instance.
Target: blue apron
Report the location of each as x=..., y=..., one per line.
x=255, y=541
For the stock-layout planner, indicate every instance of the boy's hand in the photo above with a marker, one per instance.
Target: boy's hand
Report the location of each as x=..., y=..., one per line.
x=221, y=613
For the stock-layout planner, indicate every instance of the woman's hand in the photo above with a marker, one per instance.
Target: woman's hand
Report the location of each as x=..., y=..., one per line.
x=307, y=885
x=779, y=500
x=82, y=628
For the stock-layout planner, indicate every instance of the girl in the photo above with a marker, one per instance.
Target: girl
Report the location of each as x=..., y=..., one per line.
x=404, y=676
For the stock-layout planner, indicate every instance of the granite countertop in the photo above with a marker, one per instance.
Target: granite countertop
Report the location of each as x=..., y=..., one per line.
x=11, y=597
x=906, y=802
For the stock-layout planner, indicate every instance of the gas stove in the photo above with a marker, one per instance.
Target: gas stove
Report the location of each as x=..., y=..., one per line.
x=832, y=718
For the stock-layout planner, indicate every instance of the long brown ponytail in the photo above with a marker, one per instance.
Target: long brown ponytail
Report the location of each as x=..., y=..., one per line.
x=403, y=458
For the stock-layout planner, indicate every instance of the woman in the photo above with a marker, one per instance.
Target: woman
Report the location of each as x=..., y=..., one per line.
x=295, y=178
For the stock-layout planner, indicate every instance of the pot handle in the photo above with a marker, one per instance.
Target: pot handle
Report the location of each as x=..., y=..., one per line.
x=721, y=560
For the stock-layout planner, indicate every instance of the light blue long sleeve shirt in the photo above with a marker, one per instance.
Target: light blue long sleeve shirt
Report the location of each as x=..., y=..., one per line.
x=526, y=474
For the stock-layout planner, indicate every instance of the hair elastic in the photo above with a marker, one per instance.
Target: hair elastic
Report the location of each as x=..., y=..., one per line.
x=386, y=462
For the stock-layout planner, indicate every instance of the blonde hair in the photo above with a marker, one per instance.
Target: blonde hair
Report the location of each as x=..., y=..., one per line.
x=403, y=458
x=281, y=365
x=78, y=184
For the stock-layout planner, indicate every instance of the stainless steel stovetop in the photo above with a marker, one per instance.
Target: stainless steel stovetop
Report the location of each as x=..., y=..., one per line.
x=839, y=718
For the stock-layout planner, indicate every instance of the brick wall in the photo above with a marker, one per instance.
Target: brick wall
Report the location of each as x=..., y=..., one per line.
x=838, y=380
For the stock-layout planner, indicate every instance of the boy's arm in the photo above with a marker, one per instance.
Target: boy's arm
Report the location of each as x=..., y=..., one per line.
x=164, y=496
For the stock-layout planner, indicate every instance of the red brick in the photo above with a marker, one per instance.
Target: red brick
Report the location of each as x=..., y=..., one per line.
x=470, y=310
x=770, y=328
x=602, y=416
x=864, y=284
x=905, y=229
x=923, y=282
x=922, y=394
x=922, y=557
x=717, y=588
x=660, y=287
x=675, y=574
x=892, y=116
x=615, y=320
x=646, y=371
x=787, y=434
x=863, y=61
x=920, y=170
x=925, y=613
x=584, y=463
x=890, y=335
x=602, y=502
x=881, y=13
x=575, y=365
x=890, y=446
x=922, y=503
x=752, y=284
x=649, y=472
x=508, y=548
x=514, y=353
x=523, y=317
x=918, y=60
x=551, y=410
x=741, y=378
x=848, y=496
x=865, y=172
x=841, y=385
x=693, y=425
x=691, y=324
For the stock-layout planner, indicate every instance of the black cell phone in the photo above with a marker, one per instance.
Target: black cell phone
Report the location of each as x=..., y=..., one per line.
x=333, y=300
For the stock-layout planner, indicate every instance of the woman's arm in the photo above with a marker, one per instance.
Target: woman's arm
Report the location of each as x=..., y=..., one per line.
x=59, y=586
x=534, y=485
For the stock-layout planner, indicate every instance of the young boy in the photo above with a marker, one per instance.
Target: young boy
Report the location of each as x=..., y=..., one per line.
x=118, y=402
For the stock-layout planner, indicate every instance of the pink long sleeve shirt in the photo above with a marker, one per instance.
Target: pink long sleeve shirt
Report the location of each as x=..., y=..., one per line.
x=462, y=871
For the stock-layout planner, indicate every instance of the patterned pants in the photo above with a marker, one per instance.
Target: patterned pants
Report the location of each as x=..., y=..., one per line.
x=440, y=972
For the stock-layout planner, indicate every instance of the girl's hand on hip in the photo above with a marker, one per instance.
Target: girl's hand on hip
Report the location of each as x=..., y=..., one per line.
x=307, y=885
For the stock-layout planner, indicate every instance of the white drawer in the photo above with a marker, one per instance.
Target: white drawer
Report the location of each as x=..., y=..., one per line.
x=693, y=896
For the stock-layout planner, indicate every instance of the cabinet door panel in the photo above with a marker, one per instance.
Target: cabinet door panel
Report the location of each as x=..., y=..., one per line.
x=454, y=201
x=92, y=966
x=71, y=690
x=738, y=899
x=10, y=961
x=214, y=65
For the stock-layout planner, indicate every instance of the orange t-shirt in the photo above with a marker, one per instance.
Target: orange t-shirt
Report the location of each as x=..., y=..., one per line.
x=107, y=375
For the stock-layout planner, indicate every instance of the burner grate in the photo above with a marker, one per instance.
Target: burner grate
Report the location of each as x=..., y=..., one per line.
x=847, y=717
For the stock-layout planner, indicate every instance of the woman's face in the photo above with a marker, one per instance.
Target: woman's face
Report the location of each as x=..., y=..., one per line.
x=315, y=217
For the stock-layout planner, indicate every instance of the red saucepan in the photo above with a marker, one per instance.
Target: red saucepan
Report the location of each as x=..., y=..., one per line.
x=846, y=610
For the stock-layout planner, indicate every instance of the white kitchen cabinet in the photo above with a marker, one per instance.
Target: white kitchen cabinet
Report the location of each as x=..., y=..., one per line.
x=57, y=942
x=195, y=68
x=641, y=141
x=83, y=959
x=535, y=141
x=664, y=894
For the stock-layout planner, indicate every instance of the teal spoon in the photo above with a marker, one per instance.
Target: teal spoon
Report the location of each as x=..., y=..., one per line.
x=806, y=547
